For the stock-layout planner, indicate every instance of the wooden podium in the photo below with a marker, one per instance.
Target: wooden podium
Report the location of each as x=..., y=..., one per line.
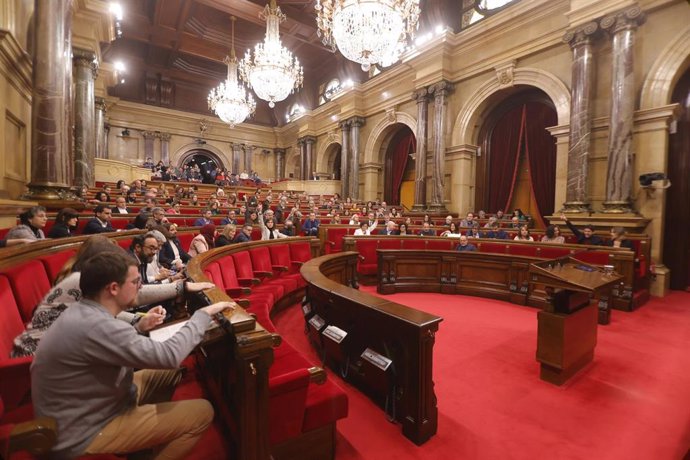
x=567, y=327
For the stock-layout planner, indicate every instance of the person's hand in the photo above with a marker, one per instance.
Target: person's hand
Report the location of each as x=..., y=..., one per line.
x=177, y=276
x=179, y=265
x=198, y=287
x=151, y=319
x=163, y=274
x=218, y=307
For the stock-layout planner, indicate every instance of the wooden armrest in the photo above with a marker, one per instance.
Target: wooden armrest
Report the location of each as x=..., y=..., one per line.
x=238, y=291
x=259, y=273
x=248, y=281
x=37, y=436
x=317, y=375
x=361, y=257
x=280, y=268
x=298, y=262
x=244, y=303
x=276, y=339
x=332, y=243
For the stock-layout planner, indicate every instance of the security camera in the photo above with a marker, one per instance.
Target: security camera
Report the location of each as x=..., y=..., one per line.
x=647, y=179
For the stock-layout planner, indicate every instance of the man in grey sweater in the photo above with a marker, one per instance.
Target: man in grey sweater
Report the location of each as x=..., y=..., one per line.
x=82, y=373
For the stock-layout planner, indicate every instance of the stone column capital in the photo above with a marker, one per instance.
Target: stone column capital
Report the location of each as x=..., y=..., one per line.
x=345, y=125
x=581, y=35
x=149, y=134
x=441, y=89
x=279, y=151
x=626, y=19
x=357, y=122
x=85, y=58
x=165, y=137
x=100, y=104
x=421, y=95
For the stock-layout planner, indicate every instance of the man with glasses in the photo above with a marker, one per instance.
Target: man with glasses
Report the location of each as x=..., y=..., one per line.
x=144, y=248
x=82, y=374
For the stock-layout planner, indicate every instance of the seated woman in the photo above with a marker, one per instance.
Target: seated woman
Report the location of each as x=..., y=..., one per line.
x=268, y=228
x=619, y=239
x=365, y=229
x=453, y=230
x=523, y=234
x=355, y=219
x=65, y=223
x=204, y=241
x=66, y=292
x=553, y=235
x=227, y=235
x=31, y=225
x=402, y=229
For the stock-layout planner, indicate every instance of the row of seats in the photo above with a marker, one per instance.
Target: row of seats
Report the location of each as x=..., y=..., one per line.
x=261, y=278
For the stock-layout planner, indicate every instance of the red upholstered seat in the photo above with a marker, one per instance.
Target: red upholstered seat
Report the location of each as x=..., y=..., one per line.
x=494, y=248
x=233, y=286
x=334, y=239
x=523, y=250
x=53, y=263
x=414, y=244
x=389, y=243
x=300, y=252
x=366, y=247
x=29, y=283
x=594, y=257
x=325, y=404
x=553, y=252
x=441, y=245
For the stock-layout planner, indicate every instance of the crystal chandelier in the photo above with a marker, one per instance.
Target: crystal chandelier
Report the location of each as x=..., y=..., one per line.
x=272, y=73
x=230, y=101
x=367, y=31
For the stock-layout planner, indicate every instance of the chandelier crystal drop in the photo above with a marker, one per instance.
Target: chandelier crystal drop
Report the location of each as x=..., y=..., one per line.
x=367, y=31
x=272, y=72
x=230, y=100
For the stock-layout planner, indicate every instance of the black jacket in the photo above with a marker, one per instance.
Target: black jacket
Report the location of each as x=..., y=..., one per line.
x=166, y=255
x=59, y=231
x=94, y=226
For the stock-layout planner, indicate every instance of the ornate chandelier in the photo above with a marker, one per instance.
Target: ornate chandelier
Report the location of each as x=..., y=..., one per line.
x=272, y=73
x=367, y=31
x=231, y=101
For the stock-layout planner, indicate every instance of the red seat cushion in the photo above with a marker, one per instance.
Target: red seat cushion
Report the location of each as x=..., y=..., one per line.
x=11, y=324
x=548, y=252
x=526, y=250
x=594, y=257
x=30, y=283
x=300, y=252
x=414, y=244
x=53, y=263
x=334, y=239
x=326, y=404
x=495, y=248
x=441, y=245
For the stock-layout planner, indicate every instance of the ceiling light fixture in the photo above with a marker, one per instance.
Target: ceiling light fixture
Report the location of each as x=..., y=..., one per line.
x=231, y=101
x=272, y=72
x=367, y=31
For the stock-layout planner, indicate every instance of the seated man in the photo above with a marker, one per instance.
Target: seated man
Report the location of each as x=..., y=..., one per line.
x=82, y=374
x=100, y=222
x=244, y=235
x=496, y=233
x=391, y=229
x=427, y=230
x=586, y=236
x=465, y=245
x=311, y=225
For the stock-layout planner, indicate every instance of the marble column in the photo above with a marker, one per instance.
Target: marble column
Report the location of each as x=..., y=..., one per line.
x=280, y=164
x=51, y=165
x=345, y=160
x=581, y=96
x=422, y=98
x=165, y=148
x=101, y=139
x=302, y=145
x=440, y=91
x=85, y=68
x=236, y=154
x=149, y=139
x=248, y=154
x=622, y=27
x=106, y=149
x=309, y=157
x=355, y=124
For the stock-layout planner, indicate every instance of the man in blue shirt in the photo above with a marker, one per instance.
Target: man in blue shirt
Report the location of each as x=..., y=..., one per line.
x=311, y=225
x=205, y=219
x=496, y=233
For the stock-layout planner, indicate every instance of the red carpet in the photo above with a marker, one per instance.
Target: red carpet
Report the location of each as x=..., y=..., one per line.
x=632, y=402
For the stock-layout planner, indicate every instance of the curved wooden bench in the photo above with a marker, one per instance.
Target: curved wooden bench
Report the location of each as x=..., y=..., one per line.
x=381, y=328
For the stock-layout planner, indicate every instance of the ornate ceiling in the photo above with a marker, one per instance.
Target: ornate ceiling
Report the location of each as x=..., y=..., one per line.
x=173, y=50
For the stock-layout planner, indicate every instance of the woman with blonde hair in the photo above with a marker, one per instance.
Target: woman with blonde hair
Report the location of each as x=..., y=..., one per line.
x=227, y=235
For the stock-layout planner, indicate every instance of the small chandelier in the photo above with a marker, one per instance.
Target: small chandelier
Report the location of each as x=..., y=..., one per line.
x=273, y=73
x=231, y=101
x=367, y=31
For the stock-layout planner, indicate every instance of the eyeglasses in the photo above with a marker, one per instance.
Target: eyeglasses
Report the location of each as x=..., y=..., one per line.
x=151, y=248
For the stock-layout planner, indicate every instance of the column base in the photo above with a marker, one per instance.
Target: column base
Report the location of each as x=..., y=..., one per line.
x=418, y=207
x=49, y=193
x=437, y=208
x=618, y=207
x=576, y=207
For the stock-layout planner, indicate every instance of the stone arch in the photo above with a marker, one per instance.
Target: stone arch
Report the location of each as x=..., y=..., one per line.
x=293, y=164
x=467, y=124
x=662, y=77
x=326, y=154
x=382, y=131
x=186, y=151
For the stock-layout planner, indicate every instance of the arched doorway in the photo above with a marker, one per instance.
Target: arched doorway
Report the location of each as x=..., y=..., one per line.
x=333, y=158
x=398, y=169
x=677, y=245
x=208, y=163
x=518, y=167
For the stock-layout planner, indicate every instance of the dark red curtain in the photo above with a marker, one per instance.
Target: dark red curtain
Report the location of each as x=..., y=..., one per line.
x=540, y=150
x=504, y=155
x=398, y=158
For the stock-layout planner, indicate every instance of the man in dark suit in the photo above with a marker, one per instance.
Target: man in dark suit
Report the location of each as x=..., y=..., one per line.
x=586, y=236
x=391, y=229
x=496, y=233
x=427, y=230
x=244, y=235
x=120, y=206
x=101, y=221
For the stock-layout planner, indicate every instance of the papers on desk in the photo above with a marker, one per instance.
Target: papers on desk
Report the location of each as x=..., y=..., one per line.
x=162, y=334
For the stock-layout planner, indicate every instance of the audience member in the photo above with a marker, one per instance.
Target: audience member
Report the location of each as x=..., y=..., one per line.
x=364, y=229
x=465, y=245
x=171, y=253
x=144, y=248
x=100, y=223
x=468, y=220
x=65, y=223
x=452, y=231
x=120, y=206
x=231, y=219
x=268, y=228
x=496, y=233
x=391, y=229
x=311, y=225
x=31, y=225
x=619, y=239
x=82, y=374
x=552, y=235
x=227, y=235
x=205, y=219
x=402, y=229
x=427, y=230
x=523, y=234
x=586, y=236
x=245, y=234
x=203, y=241
x=288, y=228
